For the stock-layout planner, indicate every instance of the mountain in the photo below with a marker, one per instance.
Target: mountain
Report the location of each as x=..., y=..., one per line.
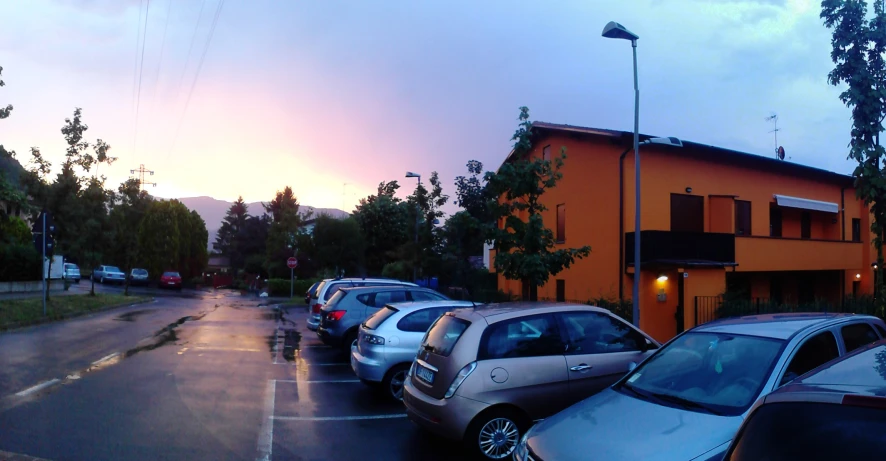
x=213, y=211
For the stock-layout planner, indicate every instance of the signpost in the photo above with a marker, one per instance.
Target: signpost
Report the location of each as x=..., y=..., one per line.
x=291, y=263
x=43, y=231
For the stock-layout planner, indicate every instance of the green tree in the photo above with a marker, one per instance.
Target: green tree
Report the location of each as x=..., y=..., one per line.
x=525, y=249
x=130, y=206
x=4, y=112
x=385, y=226
x=338, y=245
x=282, y=234
x=858, y=44
x=198, y=256
x=158, y=237
x=425, y=249
x=229, y=240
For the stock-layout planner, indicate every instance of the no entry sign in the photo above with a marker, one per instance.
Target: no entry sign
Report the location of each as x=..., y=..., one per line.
x=292, y=263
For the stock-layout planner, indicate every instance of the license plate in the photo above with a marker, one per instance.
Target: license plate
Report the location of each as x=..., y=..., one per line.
x=424, y=374
x=171, y=283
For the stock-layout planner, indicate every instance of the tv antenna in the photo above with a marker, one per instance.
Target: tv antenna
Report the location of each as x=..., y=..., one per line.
x=779, y=151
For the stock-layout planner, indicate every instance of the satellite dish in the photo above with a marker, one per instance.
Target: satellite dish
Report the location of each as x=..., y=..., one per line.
x=780, y=153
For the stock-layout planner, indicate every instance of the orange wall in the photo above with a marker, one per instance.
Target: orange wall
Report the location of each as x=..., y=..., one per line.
x=722, y=214
x=700, y=282
x=772, y=254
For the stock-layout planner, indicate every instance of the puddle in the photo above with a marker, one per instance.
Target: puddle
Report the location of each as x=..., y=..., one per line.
x=290, y=344
x=131, y=316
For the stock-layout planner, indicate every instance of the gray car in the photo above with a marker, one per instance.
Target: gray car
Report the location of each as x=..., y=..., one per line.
x=138, y=276
x=483, y=375
x=72, y=272
x=328, y=287
x=389, y=340
x=687, y=401
x=349, y=307
x=108, y=274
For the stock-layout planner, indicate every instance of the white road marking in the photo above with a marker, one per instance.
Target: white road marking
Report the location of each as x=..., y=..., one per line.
x=336, y=418
x=277, y=346
x=298, y=381
x=36, y=388
x=329, y=364
x=105, y=358
x=266, y=435
x=233, y=349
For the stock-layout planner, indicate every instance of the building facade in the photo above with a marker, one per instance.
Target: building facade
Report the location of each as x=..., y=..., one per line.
x=712, y=220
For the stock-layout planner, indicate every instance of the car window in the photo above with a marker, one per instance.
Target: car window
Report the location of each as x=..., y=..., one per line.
x=332, y=289
x=171, y=274
x=112, y=269
x=318, y=290
x=857, y=335
x=812, y=430
x=444, y=334
x=881, y=330
x=817, y=350
x=425, y=296
x=421, y=320
x=522, y=337
x=335, y=299
x=388, y=297
x=375, y=320
x=595, y=333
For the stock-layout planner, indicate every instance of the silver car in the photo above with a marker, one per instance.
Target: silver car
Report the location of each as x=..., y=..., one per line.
x=72, y=272
x=109, y=274
x=687, y=401
x=389, y=340
x=329, y=287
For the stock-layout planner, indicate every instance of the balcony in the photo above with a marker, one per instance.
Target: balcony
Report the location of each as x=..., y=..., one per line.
x=682, y=248
x=787, y=254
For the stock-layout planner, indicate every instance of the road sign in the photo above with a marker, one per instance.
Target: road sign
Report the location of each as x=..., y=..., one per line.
x=292, y=263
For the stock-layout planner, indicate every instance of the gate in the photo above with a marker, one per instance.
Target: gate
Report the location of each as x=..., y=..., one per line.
x=706, y=308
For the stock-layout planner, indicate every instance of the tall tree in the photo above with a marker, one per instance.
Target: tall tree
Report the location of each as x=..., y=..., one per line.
x=228, y=241
x=857, y=48
x=282, y=233
x=424, y=207
x=128, y=210
x=338, y=245
x=385, y=226
x=525, y=249
x=4, y=112
x=158, y=237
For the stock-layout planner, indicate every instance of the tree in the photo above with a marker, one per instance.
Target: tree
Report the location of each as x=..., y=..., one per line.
x=130, y=206
x=385, y=225
x=338, y=245
x=198, y=256
x=158, y=237
x=524, y=249
x=426, y=251
x=4, y=112
x=229, y=240
x=282, y=233
x=857, y=51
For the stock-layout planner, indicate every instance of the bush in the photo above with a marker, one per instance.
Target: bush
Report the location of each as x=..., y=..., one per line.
x=19, y=263
x=400, y=270
x=278, y=287
x=302, y=285
x=622, y=308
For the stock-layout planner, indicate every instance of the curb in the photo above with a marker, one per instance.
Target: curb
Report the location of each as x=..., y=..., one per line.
x=7, y=456
x=18, y=326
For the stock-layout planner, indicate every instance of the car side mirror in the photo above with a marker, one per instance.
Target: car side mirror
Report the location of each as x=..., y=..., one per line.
x=645, y=345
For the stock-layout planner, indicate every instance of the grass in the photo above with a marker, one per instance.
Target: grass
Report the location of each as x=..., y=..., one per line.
x=27, y=311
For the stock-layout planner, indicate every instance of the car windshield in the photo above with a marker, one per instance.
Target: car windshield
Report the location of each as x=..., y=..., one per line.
x=316, y=293
x=443, y=335
x=70, y=266
x=111, y=269
x=139, y=272
x=171, y=274
x=375, y=320
x=312, y=291
x=336, y=298
x=715, y=372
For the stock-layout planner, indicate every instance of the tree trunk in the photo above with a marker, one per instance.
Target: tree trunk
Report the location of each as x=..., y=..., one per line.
x=92, y=282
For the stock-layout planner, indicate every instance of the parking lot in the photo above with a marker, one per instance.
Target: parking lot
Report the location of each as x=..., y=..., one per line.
x=320, y=410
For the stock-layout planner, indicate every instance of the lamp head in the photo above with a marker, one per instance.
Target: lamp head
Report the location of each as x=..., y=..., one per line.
x=616, y=30
x=669, y=141
x=410, y=174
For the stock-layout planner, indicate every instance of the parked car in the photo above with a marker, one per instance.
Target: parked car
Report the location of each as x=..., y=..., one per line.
x=72, y=272
x=687, y=401
x=138, y=277
x=389, y=339
x=349, y=307
x=310, y=292
x=328, y=287
x=109, y=274
x=483, y=375
x=171, y=279
x=837, y=411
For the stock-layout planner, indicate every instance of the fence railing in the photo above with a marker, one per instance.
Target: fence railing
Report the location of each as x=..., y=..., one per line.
x=709, y=308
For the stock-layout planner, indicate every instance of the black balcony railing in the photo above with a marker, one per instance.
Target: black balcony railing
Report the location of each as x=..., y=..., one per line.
x=681, y=248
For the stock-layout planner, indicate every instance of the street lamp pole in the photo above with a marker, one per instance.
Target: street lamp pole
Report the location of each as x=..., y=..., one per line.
x=410, y=174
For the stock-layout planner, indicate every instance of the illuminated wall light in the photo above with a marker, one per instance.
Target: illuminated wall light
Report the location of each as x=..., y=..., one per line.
x=662, y=278
x=858, y=276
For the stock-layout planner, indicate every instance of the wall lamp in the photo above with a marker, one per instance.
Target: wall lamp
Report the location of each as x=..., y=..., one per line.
x=662, y=278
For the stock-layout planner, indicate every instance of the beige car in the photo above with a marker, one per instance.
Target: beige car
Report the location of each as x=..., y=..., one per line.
x=484, y=375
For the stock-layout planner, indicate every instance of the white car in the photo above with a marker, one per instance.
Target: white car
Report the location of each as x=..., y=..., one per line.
x=108, y=274
x=329, y=287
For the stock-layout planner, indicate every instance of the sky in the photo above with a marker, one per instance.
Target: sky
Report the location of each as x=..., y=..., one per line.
x=334, y=97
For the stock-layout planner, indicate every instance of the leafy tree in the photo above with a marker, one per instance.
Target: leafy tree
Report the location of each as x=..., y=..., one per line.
x=229, y=241
x=158, y=237
x=426, y=251
x=524, y=249
x=4, y=112
x=338, y=244
x=385, y=225
x=198, y=257
x=282, y=233
x=858, y=44
x=131, y=204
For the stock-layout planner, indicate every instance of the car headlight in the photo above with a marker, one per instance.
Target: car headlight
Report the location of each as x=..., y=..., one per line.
x=521, y=453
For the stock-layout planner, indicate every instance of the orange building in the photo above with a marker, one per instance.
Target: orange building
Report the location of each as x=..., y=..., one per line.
x=711, y=217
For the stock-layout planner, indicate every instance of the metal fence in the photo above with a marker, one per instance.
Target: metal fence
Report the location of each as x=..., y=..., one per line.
x=709, y=308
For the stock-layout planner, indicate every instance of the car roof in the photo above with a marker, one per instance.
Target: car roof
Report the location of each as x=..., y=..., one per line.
x=503, y=311
x=416, y=305
x=360, y=280
x=382, y=287
x=861, y=372
x=777, y=326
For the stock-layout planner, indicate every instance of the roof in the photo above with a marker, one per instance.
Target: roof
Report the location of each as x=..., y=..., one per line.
x=413, y=305
x=404, y=286
x=759, y=161
x=778, y=326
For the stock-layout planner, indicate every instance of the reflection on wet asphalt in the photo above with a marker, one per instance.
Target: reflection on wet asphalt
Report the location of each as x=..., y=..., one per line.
x=113, y=377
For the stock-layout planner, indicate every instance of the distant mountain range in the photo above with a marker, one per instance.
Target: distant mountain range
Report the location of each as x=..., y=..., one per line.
x=213, y=211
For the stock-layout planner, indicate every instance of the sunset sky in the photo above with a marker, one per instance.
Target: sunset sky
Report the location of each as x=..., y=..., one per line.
x=316, y=94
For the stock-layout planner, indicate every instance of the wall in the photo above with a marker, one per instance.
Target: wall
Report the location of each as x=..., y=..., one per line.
x=656, y=317
x=30, y=287
x=701, y=282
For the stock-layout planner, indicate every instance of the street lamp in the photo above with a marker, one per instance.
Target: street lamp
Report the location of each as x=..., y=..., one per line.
x=616, y=30
x=410, y=174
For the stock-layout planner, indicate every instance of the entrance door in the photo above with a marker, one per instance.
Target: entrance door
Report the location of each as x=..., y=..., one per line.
x=687, y=213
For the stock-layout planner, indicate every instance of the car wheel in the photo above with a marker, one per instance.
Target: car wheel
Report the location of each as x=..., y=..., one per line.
x=349, y=340
x=495, y=434
x=393, y=381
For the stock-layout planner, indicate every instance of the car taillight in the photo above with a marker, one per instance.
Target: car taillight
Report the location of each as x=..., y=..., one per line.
x=460, y=378
x=335, y=316
x=315, y=309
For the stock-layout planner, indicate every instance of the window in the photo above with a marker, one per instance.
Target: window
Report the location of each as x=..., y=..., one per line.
x=546, y=152
x=687, y=213
x=805, y=225
x=375, y=320
x=742, y=217
x=857, y=335
x=856, y=230
x=774, y=221
x=881, y=330
x=561, y=223
x=387, y=297
x=816, y=351
x=521, y=337
x=365, y=298
x=420, y=321
x=443, y=335
x=425, y=296
x=561, y=291
x=594, y=333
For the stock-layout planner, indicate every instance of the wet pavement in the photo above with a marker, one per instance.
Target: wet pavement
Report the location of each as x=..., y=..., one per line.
x=213, y=376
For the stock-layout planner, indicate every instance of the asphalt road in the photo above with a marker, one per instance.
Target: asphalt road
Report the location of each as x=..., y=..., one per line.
x=205, y=376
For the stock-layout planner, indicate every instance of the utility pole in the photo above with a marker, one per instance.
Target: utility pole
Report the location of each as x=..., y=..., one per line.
x=141, y=170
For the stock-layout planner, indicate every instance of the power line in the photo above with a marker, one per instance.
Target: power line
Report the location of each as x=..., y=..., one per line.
x=140, y=72
x=162, y=48
x=138, y=37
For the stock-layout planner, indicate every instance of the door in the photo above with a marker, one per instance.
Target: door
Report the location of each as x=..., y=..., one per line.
x=599, y=351
x=520, y=362
x=687, y=213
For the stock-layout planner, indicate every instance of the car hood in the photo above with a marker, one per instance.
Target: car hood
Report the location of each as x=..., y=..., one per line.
x=615, y=427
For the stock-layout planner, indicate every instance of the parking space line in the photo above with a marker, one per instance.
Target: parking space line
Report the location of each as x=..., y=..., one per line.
x=336, y=418
x=232, y=349
x=105, y=358
x=36, y=388
x=318, y=381
x=266, y=434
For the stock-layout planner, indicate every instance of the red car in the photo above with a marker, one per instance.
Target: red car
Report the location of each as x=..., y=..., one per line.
x=171, y=280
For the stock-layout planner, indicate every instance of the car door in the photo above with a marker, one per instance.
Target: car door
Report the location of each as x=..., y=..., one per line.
x=599, y=350
x=521, y=363
x=816, y=350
